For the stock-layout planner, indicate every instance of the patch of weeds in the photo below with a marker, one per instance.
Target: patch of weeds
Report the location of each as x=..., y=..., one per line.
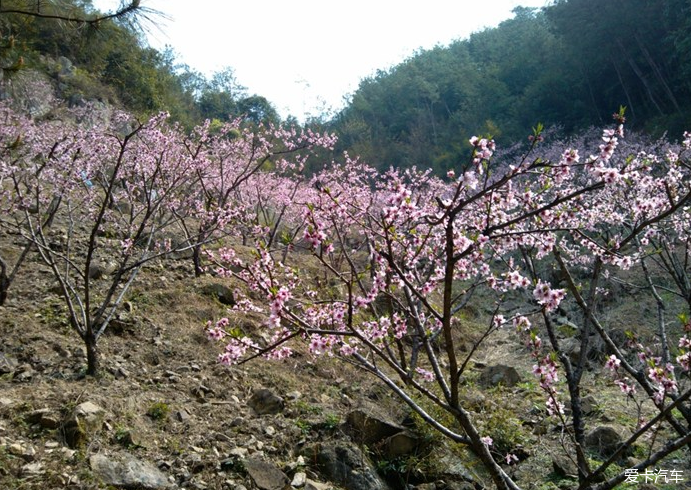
x=504, y=428
x=409, y=469
x=139, y=297
x=124, y=437
x=5, y=462
x=86, y=476
x=54, y=314
x=567, y=330
x=611, y=471
x=307, y=409
x=328, y=424
x=173, y=445
x=527, y=385
x=158, y=411
x=331, y=421
x=304, y=426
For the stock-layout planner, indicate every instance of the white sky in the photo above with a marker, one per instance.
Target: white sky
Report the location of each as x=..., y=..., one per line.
x=306, y=56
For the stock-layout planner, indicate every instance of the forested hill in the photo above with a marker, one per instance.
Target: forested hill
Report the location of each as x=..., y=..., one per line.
x=88, y=59
x=571, y=64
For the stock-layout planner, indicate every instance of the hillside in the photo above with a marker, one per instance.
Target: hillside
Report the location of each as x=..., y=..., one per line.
x=179, y=419
x=221, y=306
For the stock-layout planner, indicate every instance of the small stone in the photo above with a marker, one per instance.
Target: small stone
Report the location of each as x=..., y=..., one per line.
x=49, y=421
x=265, y=475
x=97, y=271
x=67, y=453
x=315, y=485
x=7, y=364
x=239, y=452
x=299, y=480
x=563, y=466
x=589, y=405
x=270, y=431
x=221, y=292
x=6, y=402
x=24, y=373
x=33, y=469
x=27, y=453
x=182, y=416
x=265, y=402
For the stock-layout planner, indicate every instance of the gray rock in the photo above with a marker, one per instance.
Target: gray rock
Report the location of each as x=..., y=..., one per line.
x=370, y=426
x=299, y=479
x=97, y=271
x=450, y=467
x=265, y=402
x=564, y=467
x=182, y=415
x=66, y=66
x=126, y=471
x=6, y=402
x=45, y=417
x=130, y=438
x=7, y=364
x=265, y=475
x=400, y=444
x=499, y=375
x=315, y=485
x=23, y=373
x=572, y=348
x=32, y=93
x=91, y=414
x=85, y=419
x=347, y=466
x=221, y=292
x=589, y=405
x=605, y=440
x=24, y=451
x=33, y=469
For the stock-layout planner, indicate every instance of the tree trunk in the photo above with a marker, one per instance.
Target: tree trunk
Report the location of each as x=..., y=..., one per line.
x=4, y=286
x=197, y=260
x=92, y=356
x=4, y=281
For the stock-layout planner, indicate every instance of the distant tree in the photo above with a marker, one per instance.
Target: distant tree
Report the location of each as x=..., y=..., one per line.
x=257, y=110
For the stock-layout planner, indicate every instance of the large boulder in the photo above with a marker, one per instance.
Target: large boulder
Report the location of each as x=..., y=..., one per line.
x=265, y=475
x=604, y=440
x=125, y=471
x=370, y=425
x=345, y=464
x=266, y=402
x=86, y=419
x=499, y=374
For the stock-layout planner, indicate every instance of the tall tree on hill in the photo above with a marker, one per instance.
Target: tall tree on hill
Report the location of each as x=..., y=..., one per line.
x=624, y=52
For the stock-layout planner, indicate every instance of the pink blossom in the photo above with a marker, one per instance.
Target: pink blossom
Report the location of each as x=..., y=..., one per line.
x=613, y=363
x=427, y=375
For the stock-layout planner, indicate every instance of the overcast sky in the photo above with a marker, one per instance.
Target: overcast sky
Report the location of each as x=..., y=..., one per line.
x=306, y=56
